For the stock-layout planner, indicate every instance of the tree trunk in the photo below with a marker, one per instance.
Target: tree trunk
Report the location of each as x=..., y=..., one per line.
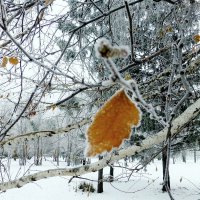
x=164, y=165
x=111, y=178
x=38, y=152
x=195, y=155
x=68, y=155
x=184, y=156
x=23, y=154
x=100, y=179
x=58, y=152
x=195, y=151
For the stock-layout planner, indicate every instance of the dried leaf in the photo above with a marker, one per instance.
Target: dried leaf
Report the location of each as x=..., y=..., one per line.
x=161, y=33
x=196, y=38
x=32, y=113
x=49, y=2
x=4, y=61
x=112, y=124
x=53, y=107
x=169, y=29
x=106, y=50
x=127, y=76
x=13, y=60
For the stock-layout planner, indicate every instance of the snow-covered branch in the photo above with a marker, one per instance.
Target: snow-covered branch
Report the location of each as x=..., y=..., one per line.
x=193, y=66
x=177, y=125
x=45, y=133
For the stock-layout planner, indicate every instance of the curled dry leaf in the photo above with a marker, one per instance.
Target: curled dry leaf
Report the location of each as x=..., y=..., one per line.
x=112, y=124
x=106, y=50
x=13, y=60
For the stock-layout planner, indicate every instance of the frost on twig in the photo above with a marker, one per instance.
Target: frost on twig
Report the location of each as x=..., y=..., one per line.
x=177, y=125
x=3, y=15
x=106, y=51
x=29, y=136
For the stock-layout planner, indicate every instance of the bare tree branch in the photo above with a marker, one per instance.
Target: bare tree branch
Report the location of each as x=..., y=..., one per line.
x=45, y=133
x=177, y=126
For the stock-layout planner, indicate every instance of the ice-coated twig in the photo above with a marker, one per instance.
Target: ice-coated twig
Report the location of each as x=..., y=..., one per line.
x=130, y=29
x=169, y=117
x=185, y=83
x=106, y=51
x=3, y=15
x=169, y=92
x=148, y=107
x=44, y=133
x=177, y=125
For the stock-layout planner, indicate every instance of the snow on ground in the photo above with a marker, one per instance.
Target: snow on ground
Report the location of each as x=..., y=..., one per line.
x=145, y=185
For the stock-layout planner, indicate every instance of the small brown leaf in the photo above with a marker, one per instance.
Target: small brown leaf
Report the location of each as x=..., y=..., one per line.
x=13, y=60
x=49, y=2
x=4, y=61
x=196, y=38
x=32, y=113
x=106, y=50
x=161, y=33
x=112, y=124
x=53, y=107
x=169, y=29
x=127, y=76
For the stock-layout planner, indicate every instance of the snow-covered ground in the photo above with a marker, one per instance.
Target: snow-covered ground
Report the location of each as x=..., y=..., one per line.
x=145, y=185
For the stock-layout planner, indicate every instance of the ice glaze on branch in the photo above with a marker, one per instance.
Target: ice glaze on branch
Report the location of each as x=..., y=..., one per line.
x=106, y=51
x=32, y=135
x=177, y=125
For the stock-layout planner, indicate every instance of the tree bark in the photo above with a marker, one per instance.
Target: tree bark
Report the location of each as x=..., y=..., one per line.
x=177, y=126
x=184, y=156
x=100, y=179
x=111, y=178
x=164, y=165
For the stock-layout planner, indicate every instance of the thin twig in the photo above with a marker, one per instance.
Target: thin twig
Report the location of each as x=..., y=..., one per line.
x=130, y=29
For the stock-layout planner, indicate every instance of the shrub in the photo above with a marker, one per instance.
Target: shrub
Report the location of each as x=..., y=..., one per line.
x=86, y=187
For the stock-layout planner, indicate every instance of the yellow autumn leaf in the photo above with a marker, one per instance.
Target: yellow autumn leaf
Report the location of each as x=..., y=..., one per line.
x=4, y=61
x=13, y=60
x=196, y=38
x=112, y=124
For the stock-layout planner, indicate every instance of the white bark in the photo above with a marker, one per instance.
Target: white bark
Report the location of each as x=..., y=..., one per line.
x=33, y=135
x=177, y=125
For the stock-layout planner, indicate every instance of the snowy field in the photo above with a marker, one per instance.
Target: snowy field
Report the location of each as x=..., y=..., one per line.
x=145, y=185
